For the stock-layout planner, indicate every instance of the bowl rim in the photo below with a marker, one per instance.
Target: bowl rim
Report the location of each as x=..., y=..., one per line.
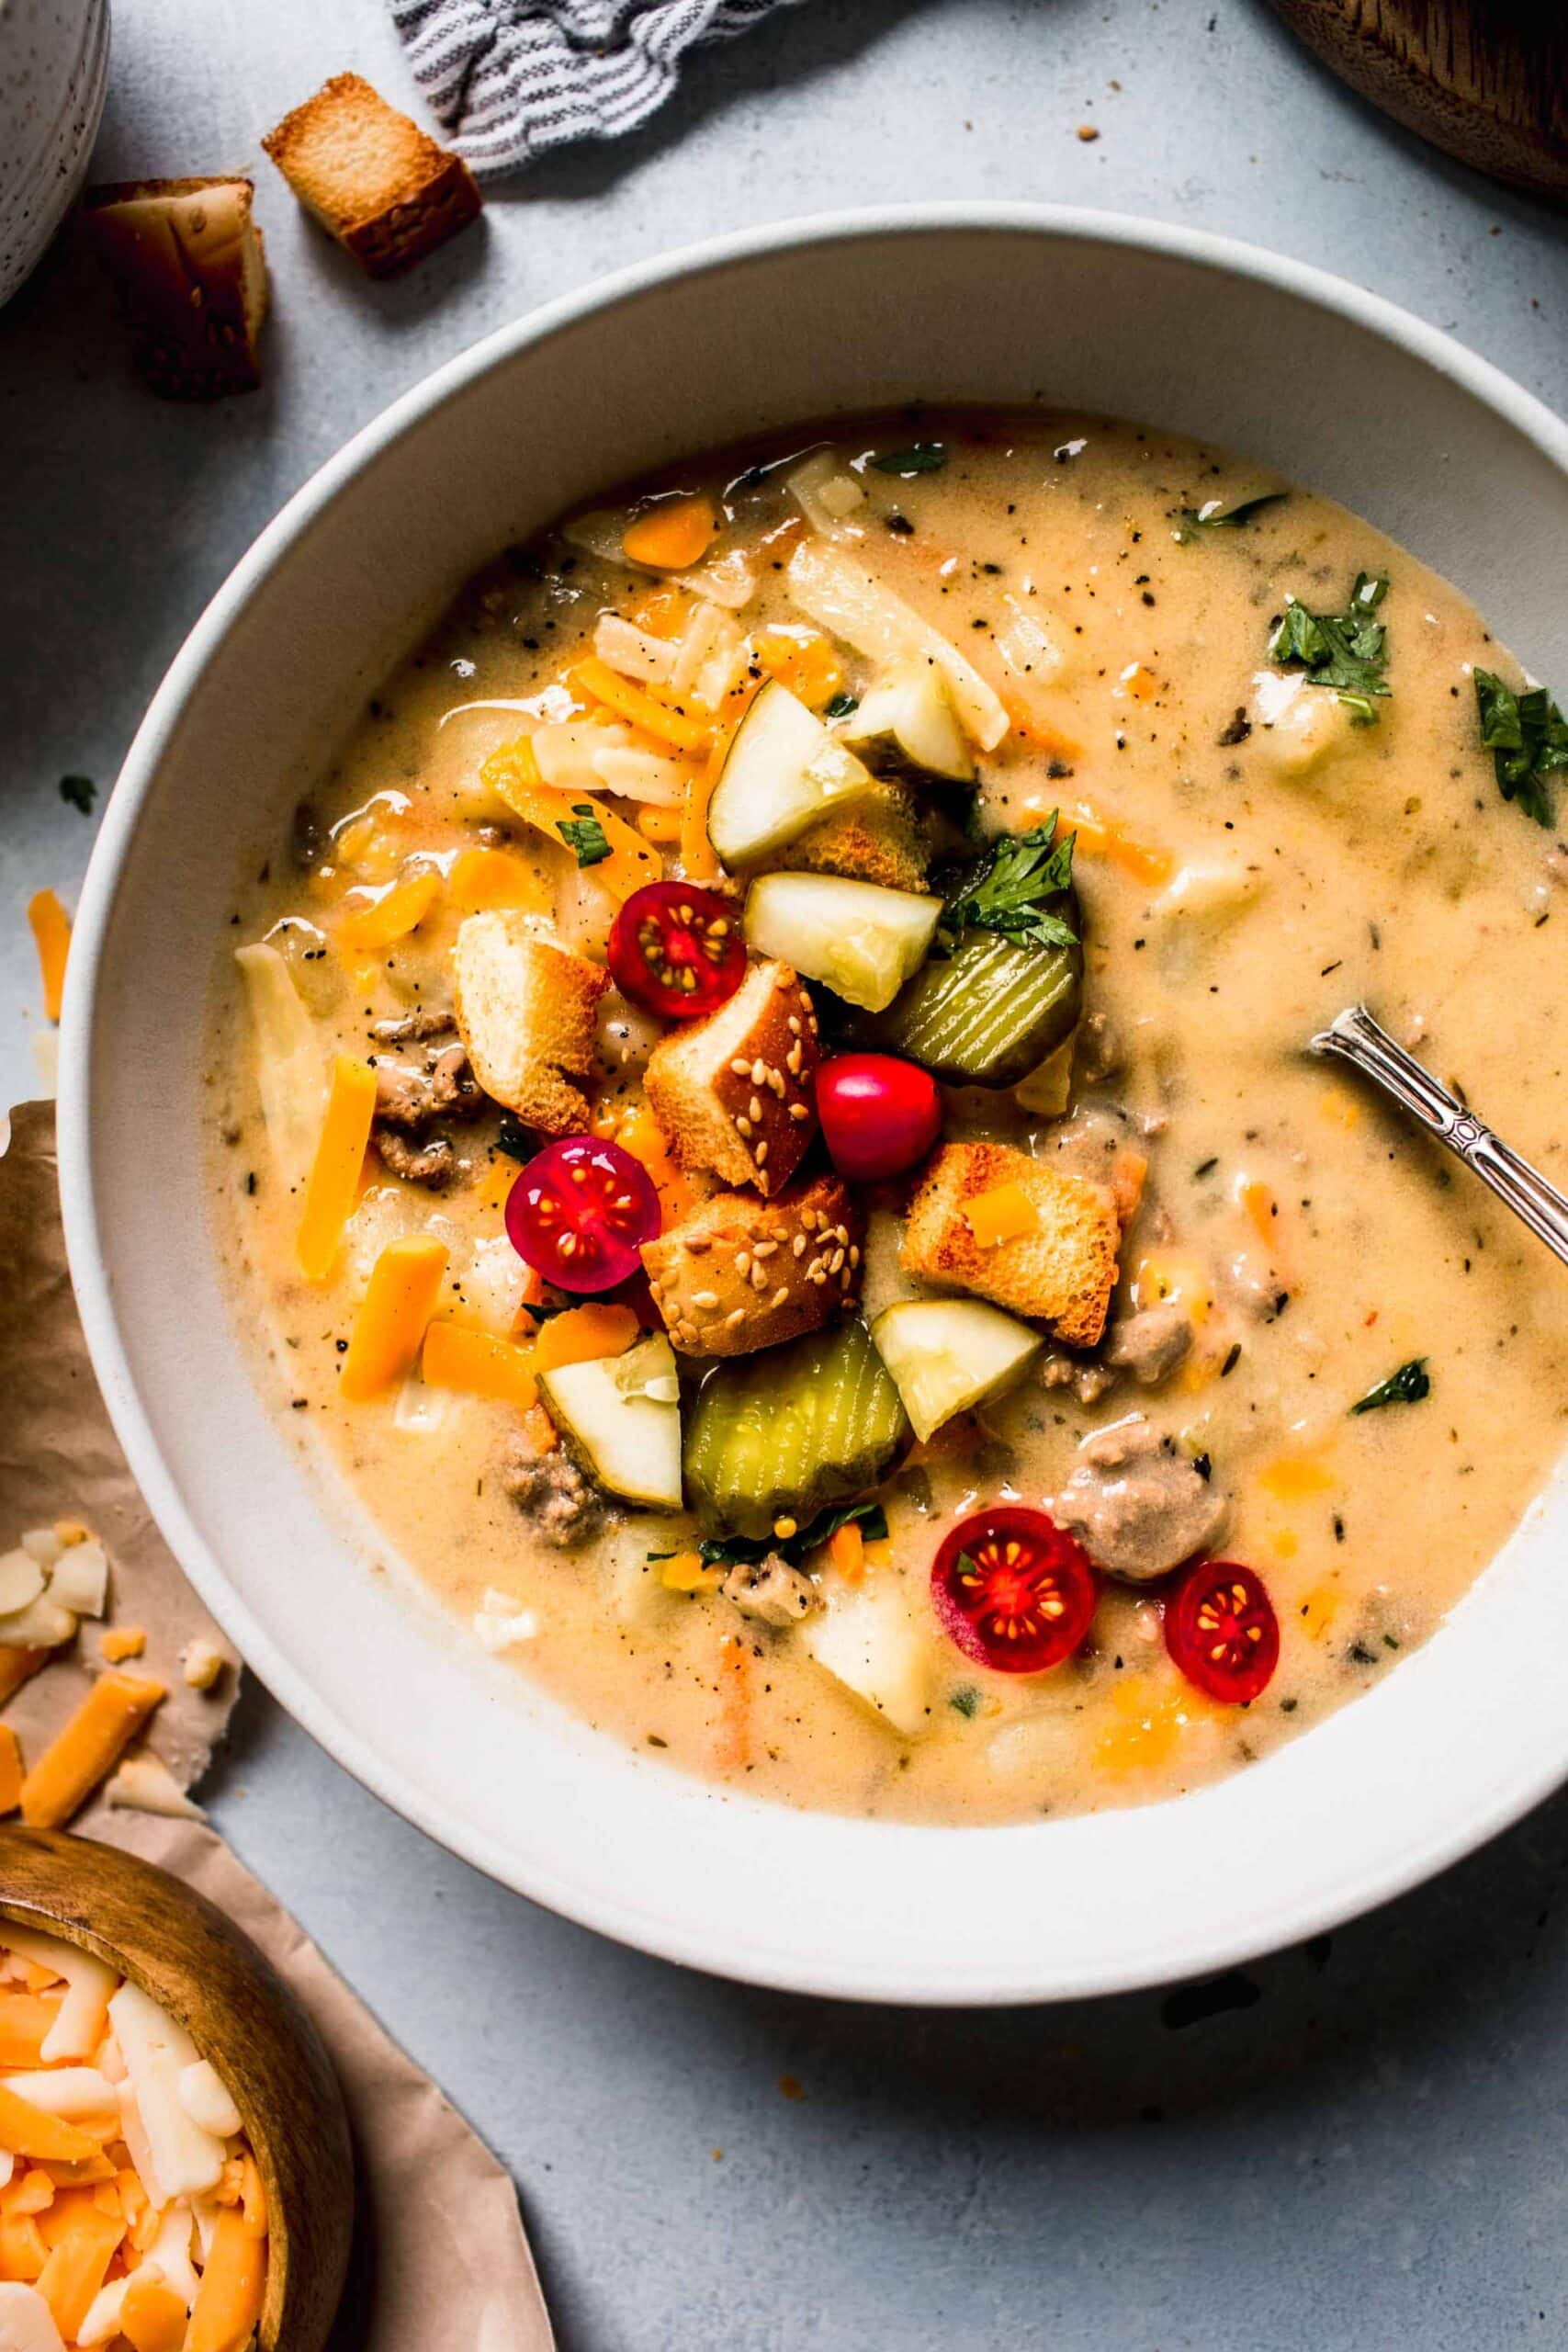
x=601, y=1909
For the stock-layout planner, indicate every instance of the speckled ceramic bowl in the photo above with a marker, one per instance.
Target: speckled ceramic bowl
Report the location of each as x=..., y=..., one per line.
x=55, y=64
x=1331, y=385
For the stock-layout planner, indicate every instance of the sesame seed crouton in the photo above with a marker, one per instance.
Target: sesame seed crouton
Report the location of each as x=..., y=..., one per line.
x=1061, y=1274
x=371, y=176
x=526, y=1012
x=739, y=1273
x=734, y=1093
x=188, y=264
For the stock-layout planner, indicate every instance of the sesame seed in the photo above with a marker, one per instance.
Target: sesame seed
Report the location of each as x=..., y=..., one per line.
x=743, y=1263
x=760, y=1155
x=697, y=1244
x=706, y=1299
x=854, y=1255
x=794, y=1025
x=798, y=1111
x=835, y=1262
x=792, y=1061
x=759, y=1278
x=764, y=1248
x=743, y=1126
x=781, y=1295
x=797, y=1247
x=686, y=1332
x=759, y=1072
x=754, y=1108
x=817, y=1275
x=733, y=1319
x=740, y=1070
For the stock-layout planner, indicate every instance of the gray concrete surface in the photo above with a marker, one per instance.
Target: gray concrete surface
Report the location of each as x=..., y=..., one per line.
x=1359, y=2144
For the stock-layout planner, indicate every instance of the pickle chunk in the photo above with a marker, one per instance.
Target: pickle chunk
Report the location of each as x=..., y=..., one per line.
x=791, y=1432
x=987, y=1016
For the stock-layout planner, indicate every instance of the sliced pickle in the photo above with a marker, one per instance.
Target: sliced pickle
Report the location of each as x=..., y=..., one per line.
x=988, y=1015
x=785, y=1432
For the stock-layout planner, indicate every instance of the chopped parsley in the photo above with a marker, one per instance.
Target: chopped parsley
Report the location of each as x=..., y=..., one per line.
x=747, y=1551
x=921, y=457
x=80, y=791
x=1011, y=893
x=965, y=1703
x=1528, y=737
x=841, y=707
x=583, y=834
x=1212, y=516
x=1347, y=652
x=512, y=1137
x=1405, y=1387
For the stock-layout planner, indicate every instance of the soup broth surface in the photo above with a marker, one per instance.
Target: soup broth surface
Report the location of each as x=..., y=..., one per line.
x=1253, y=853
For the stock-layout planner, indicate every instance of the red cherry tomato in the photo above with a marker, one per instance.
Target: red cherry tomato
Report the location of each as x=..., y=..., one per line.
x=1221, y=1630
x=1013, y=1590
x=579, y=1212
x=677, y=951
x=879, y=1115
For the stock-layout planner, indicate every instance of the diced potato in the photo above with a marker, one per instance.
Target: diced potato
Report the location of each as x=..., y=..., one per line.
x=1297, y=726
x=867, y=1638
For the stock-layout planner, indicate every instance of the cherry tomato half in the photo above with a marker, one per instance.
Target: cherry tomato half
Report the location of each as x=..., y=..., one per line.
x=1014, y=1590
x=879, y=1115
x=677, y=951
x=1221, y=1630
x=580, y=1213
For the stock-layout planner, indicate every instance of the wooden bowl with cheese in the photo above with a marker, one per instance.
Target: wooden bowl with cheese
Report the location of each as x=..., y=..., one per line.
x=175, y=2148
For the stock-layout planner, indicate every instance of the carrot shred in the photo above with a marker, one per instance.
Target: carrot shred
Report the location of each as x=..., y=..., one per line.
x=673, y=534
x=583, y=1334
x=846, y=1549
x=75, y=1761
x=1145, y=861
x=512, y=775
x=153, y=2317
x=399, y=1301
x=332, y=1185
x=25, y=2018
x=478, y=1364
x=1036, y=734
x=734, y=1740
x=10, y=1771
x=597, y=682
x=228, y=2303
x=51, y=927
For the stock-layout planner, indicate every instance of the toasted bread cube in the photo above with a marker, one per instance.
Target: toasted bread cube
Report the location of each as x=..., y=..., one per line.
x=734, y=1093
x=739, y=1273
x=1062, y=1271
x=371, y=176
x=187, y=261
x=876, y=839
x=526, y=1012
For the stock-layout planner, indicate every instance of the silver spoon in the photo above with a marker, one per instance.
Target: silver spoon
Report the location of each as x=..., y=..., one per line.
x=1355, y=1038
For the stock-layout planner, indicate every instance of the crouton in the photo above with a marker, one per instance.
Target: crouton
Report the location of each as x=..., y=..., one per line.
x=877, y=839
x=734, y=1093
x=371, y=177
x=1061, y=1271
x=526, y=1012
x=739, y=1273
x=188, y=264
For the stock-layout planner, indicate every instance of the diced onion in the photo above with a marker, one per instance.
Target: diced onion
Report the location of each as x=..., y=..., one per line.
x=710, y=656
x=842, y=597
x=827, y=495
x=622, y=646
x=728, y=579
x=79, y=1580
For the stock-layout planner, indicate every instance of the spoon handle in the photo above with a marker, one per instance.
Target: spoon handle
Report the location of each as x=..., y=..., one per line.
x=1355, y=1038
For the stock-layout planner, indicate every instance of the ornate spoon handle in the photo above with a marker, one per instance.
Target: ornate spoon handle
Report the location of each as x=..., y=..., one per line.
x=1355, y=1038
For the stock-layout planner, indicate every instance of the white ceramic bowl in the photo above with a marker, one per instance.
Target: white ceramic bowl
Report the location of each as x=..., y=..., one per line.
x=54, y=63
x=1307, y=374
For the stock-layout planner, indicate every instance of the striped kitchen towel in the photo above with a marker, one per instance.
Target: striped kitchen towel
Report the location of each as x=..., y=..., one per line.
x=510, y=79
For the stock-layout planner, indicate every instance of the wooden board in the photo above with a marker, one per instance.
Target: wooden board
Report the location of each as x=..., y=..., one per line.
x=1485, y=80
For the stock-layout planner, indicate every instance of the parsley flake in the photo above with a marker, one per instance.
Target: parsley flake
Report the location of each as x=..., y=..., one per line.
x=1010, y=893
x=1347, y=652
x=1528, y=737
x=842, y=707
x=80, y=791
x=1405, y=1387
x=1212, y=516
x=583, y=834
x=921, y=457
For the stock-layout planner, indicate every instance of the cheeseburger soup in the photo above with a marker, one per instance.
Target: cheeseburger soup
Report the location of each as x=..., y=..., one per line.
x=759, y=1113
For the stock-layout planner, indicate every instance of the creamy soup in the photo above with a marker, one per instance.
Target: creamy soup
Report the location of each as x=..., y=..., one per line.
x=1054, y=1389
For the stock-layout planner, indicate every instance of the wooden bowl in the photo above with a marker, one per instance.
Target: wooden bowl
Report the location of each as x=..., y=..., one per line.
x=183, y=1951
